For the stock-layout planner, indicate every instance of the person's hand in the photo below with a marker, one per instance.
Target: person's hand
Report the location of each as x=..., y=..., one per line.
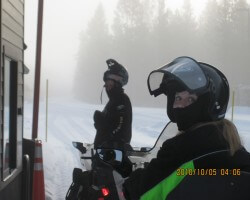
x=81, y=177
x=97, y=118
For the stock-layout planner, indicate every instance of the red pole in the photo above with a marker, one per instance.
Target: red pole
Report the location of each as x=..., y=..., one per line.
x=38, y=69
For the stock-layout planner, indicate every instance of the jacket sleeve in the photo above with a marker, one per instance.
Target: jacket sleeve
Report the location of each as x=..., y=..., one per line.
x=120, y=115
x=120, y=119
x=142, y=180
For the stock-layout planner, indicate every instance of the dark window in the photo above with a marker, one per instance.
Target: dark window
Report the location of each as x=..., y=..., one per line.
x=9, y=116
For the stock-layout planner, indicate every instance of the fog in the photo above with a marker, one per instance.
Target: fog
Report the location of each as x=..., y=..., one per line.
x=79, y=36
x=63, y=22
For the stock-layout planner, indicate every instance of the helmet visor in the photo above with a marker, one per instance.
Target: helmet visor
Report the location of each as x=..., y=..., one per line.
x=183, y=70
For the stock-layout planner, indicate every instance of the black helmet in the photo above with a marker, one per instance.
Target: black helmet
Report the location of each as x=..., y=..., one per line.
x=116, y=72
x=185, y=73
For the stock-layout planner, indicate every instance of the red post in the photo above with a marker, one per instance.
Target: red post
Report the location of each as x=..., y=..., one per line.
x=37, y=70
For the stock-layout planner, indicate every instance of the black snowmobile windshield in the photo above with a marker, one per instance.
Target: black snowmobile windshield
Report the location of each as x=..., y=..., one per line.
x=184, y=70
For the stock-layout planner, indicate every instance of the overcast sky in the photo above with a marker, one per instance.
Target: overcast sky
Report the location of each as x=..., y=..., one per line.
x=63, y=22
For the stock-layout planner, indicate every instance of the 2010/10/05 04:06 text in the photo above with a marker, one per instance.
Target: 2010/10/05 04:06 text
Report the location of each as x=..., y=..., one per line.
x=207, y=172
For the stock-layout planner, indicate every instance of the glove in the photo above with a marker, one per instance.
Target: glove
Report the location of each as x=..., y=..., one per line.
x=80, y=177
x=83, y=181
x=98, y=118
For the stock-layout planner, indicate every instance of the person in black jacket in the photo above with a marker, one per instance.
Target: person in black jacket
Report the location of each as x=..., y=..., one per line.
x=198, y=95
x=114, y=123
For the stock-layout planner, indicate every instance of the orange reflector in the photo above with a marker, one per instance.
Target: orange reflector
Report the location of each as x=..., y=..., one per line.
x=105, y=191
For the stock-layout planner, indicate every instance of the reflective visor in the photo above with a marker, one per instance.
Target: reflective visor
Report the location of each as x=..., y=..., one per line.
x=183, y=70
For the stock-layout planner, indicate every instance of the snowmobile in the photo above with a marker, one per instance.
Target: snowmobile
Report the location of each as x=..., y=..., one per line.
x=102, y=182
x=105, y=177
x=106, y=169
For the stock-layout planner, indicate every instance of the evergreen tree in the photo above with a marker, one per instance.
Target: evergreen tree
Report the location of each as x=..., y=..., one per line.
x=162, y=35
x=223, y=37
x=179, y=35
x=94, y=50
x=240, y=48
x=131, y=29
x=146, y=34
x=208, y=31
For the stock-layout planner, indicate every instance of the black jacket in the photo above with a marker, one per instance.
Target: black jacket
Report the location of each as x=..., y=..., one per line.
x=179, y=150
x=114, y=123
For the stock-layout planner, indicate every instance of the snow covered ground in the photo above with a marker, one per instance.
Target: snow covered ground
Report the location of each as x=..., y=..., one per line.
x=70, y=120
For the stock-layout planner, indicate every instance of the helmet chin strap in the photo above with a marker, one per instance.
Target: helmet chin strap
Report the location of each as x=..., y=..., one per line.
x=101, y=93
x=116, y=84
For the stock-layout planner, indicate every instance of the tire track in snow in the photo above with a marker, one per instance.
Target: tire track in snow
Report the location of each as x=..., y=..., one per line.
x=63, y=128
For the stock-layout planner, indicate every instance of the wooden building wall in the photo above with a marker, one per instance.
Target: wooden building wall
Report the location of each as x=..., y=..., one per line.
x=12, y=46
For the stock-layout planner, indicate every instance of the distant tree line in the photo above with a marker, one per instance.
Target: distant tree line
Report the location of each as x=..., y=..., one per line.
x=145, y=34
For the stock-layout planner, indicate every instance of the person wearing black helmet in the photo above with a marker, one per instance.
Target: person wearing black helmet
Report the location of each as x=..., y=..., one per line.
x=198, y=95
x=114, y=123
